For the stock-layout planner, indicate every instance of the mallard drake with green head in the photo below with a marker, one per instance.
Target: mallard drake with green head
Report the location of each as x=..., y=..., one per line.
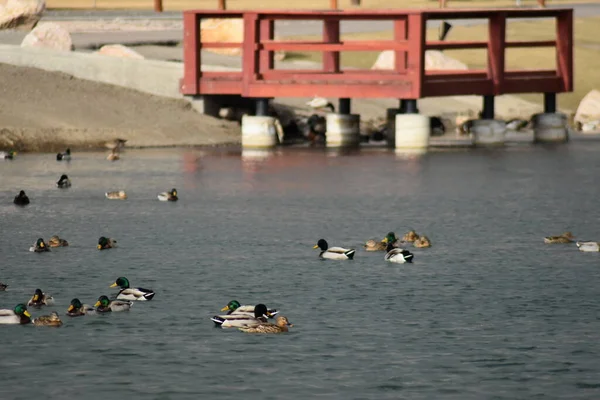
x=372, y=245
x=104, y=305
x=397, y=255
x=21, y=199
x=66, y=156
x=19, y=315
x=168, y=196
x=281, y=325
x=56, y=241
x=40, y=299
x=261, y=313
x=48, y=320
x=333, y=253
x=8, y=155
x=76, y=309
x=64, y=182
x=566, y=237
x=39, y=246
x=106, y=243
x=129, y=293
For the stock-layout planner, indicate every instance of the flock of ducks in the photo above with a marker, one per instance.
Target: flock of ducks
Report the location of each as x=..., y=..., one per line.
x=567, y=237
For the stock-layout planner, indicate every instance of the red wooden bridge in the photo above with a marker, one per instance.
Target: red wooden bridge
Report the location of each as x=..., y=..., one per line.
x=408, y=80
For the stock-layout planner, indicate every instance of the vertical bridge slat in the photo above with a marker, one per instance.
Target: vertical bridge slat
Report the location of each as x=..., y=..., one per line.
x=267, y=32
x=416, y=53
x=564, y=49
x=191, y=53
x=331, y=34
x=250, y=59
x=400, y=36
x=496, y=50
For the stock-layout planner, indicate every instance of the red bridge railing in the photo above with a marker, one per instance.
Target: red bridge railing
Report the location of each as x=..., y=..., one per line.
x=407, y=80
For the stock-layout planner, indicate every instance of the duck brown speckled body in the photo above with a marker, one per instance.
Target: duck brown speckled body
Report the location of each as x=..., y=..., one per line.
x=55, y=241
x=410, y=237
x=48, y=320
x=281, y=325
x=566, y=237
x=422, y=241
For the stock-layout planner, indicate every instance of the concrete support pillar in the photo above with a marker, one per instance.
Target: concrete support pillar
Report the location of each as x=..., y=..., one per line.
x=549, y=103
x=343, y=130
x=488, y=132
x=412, y=131
x=550, y=128
x=390, y=117
x=488, y=107
x=344, y=106
x=262, y=107
x=258, y=132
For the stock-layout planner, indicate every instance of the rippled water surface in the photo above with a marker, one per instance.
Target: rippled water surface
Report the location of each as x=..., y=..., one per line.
x=489, y=311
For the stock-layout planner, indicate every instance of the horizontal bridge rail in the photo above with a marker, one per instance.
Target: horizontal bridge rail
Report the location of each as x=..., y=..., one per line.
x=406, y=80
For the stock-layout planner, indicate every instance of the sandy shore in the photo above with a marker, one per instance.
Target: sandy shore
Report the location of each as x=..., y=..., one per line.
x=47, y=111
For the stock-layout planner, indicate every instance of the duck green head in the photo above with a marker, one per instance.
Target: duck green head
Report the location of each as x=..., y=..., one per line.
x=21, y=309
x=231, y=306
x=389, y=238
x=321, y=244
x=102, y=242
x=173, y=192
x=37, y=296
x=260, y=310
x=122, y=282
x=75, y=305
x=40, y=243
x=102, y=301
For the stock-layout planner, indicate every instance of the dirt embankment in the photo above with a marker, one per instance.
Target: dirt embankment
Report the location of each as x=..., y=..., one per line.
x=48, y=111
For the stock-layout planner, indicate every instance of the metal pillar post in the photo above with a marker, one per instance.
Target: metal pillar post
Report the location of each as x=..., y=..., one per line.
x=262, y=107
x=549, y=103
x=488, y=107
x=410, y=106
x=344, y=106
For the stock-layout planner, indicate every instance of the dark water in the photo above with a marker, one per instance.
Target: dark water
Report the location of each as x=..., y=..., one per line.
x=489, y=312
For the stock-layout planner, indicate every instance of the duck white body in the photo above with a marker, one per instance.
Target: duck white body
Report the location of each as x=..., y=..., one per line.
x=237, y=320
x=399, y=256
x=338, y=253
x=588, y=246
x=135, y=294
x=8, y=317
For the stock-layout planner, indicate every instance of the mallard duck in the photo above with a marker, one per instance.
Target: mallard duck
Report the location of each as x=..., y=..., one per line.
x=334, y=253
x=168, y=196
x=129, y=293
x=40, y=299
x=120, y=195
x=48, y=320
x=66, y=156
x=372, y=245
x=55, y=241
x=422, y=241
x=64, y=182
x=113, y=155
x=234, y=308
x=566, y=237
x=410, y=236
x=76, y=309
x=7, y=155
x=115, y=144
x=3, y=286
x=397, y=255
x=21, y=199
x=261, y=313
x=104, y=305
x=281, y=325
x=106, y=243
x=19, y=315
x=39, y=246
x=588, y=246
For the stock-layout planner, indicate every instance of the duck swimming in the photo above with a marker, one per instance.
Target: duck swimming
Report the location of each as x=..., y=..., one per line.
x=168, y=196
x=21, y=199
x=410, y=236
x=120, y=195
x=261, y=313
x=55, y=241
x=116, y=144
x=64, y=182
x=113, y=155
x=19, y=315
x=106, y=243
x=234, y=308
x=397, y=255
x=104, y=305
x=3, y=286
x=7, y=155
x=372, y=245
x=40, y=299
x=422, y=241
x=48, y=320
x=588, y=246
x=66, y=156
x=129, y=293
x=39, y=246
x=334, y=253
x=281, y=325
x=76, y=309
x=566, y=237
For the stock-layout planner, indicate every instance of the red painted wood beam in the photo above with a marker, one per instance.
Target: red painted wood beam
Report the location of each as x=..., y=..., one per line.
x=191, y=54
x=354, y=45
x=564, y=49
x=497, y=37
x=331, y=35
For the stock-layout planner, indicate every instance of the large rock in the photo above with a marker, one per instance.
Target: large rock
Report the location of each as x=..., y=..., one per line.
x=588, y=112
x=230, y=30
x=49, y=35
x=20, y=14
x=434, y=60
x=118, y=50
